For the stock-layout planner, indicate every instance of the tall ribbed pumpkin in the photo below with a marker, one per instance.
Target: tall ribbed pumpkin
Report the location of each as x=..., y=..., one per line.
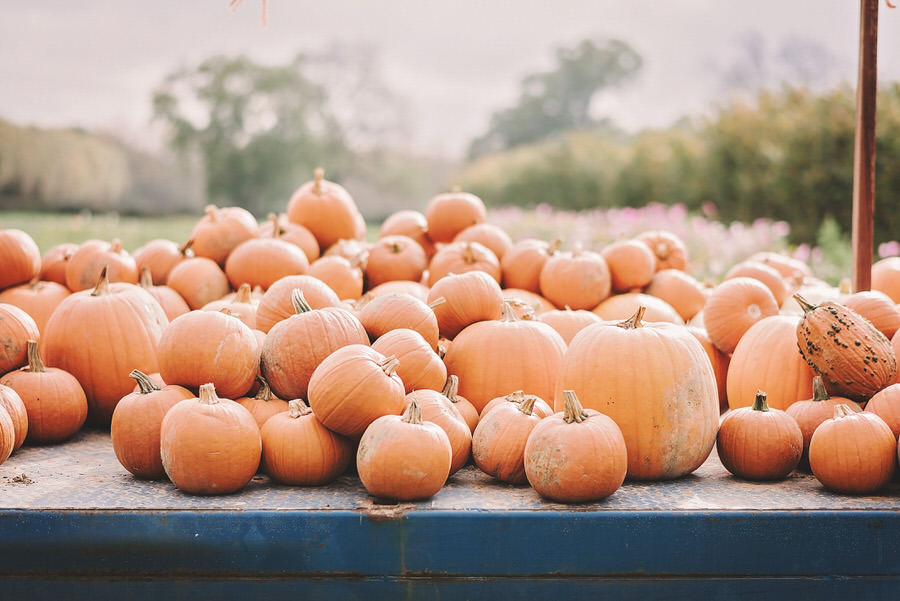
x=101, y=335
x=656, y=382
x=494, y=358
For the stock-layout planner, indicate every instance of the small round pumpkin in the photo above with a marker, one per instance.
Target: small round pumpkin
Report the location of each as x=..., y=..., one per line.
x=420, y=367
x=462, y=404
x=16, y=329
x=579, y=279
x=468, y=298
x=19, y=256
x=886, y=277
x=84, y=266
x=575, y=456
x=498, y=444
x=383, y=314
x=669, y=249
x=877, y=307
x=280, y=228
x=886, y=404
x=277, y=304
x=732, y=307
x=489, y=235
x=450, y=213
x=37, y=298
x=759, y=443
x=395, y=258
x=298, y=450
x=242, y=305
x=539, y=406
x=54, y=261
x=810, y=413
x=264, y=261
x=622, y=306
x=12, y=403
x=765, y=274
x=7, y=435
x=264, y=404
x=463, y=257
x=413, y=224
x=209, y=445
x=172, y=303
x=403, y=458
x=342, y=276
x=324, y=208
x=159, y=256
x=221, y=230
x=136, y=423
x=853, y=453
x=685, y=294
x=437, y=409
x=199, y=281
x=568, y=322
x=631, y=264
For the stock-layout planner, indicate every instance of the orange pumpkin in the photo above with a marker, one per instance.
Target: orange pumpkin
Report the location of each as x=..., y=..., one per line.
x=343, y=277
x=568, y=322
x=437, y=409
x=7, y=436
x=19, y=256
x=719, y=361
x=54, y=400
x=54, y=261
x=765, y=274
x=354, y=386
x=575, y=456
x=579, y=279
x=277, y=304
x=450, y=213
x=220, y=231
x=278, y=227
x=791, y=269
x=37, y=298
x=539, y=406
x=623, y=306
x=409, y=223
x=199, y=281
x=264, y=261
x=462, y=404
x=669, y=249
x=416, y=289
x=810, y=413
x=171, y=302
x=299, y=451
x=875, y=306
x=403, y=457
x=494, y=358
x=631, y=264
x=101, y=335
x=11, y=402
x=242, y=305
x=463, y=257
x=16, y=329
x=886, y=405
x=656, y=382
x=853, y=453
x=489, y=235
x=160, y=256
x=209, y=445
x=759, y=443
x=395, y=258
x=420, y=367
x=732, y=307
x=468, y=298
x=296, y=346
x=324, y=208
x=385, y=313
x=522, y=263
x=136, y=423
x=886, y=277
x=498, y=444
x=685, y=294
x=84, y=266
x=264, y=404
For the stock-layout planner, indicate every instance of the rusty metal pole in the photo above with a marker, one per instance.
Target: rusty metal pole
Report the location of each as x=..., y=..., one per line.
x=864, y=146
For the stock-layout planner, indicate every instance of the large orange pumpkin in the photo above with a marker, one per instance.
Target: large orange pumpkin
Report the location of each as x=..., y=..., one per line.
x=392, y=311
x=886, y=404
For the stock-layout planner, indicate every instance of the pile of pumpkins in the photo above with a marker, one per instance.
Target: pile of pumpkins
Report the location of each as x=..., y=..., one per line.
x=297, y=348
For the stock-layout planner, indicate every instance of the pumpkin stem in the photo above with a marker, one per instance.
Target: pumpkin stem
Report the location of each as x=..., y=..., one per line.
x=244, y=294
x=102, y=286
x=115, y=246
x=396, y=247
x=635, y=320
x=265, y=391
x=573, y=411
x=819, y=392
x=146, y=384
x=146, y=280
x=35, y=364
x=212, y=211
x=527, y=404
x=451, y=388
x=186, y=247
x=298, y=408
x=208, y=394
x=804, y=304
x=456, y=189
x=842, y=410
x=319, y=175
x=299, y=302
x=437, y=302
x=554, y=246
x=844, y=286
x=760, y=403
x=412, y=415
x=516, y=397
x=276, y=227
x=507, y=314
x=389, y=365
x=228, y=312
x=468, y=254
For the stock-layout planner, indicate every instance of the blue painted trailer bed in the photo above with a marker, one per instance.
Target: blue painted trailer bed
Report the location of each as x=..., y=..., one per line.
x=74, y=524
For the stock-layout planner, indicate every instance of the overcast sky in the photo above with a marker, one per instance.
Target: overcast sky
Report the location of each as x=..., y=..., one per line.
x=94, y=63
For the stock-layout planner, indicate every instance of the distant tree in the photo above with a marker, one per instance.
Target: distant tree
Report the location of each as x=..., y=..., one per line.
x=560, y=100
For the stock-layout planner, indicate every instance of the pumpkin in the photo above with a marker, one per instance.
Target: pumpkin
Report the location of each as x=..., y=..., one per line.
x=759, y=443
x=719, y=361
x=296, y=346
x=84, y=266
x=7, y=436
x=498, y=444
x=264, y=404
x=450, y=213
x=767, y=358
x=522, y=263
x=342, y=276
x=20, y=257
x=355, y=251
x=159, y=256
x=324, y=208
x=769, y=276
x=209, y=445
x=886, y=405
x=631, y=264
x=875, y=306
x=420, y=367
x=575, y=456
x=16, y=329
x=278, y=227
x=220, y=231
x=579, y=279
x=354, y=386
x=886, y=277
x=568, y=322
x=264, y=261
x=732, y=307
x=395, y=258
x=199, y=281
x=437, y=409
x=409, y=223
x=791, y=269
x=810, y=413
x=493, y=358
x=681, y=291
x=853, y=453
x=669, y=250
x=171, y=302
x=462, y=404
x=54, y=261
x=656, y=382
x=277, y=304
x=54, y=400
x=298, y=450
x=851, y=355
x=136, y=422
x=527, y=303
x=622, y=306
x=489, y=235
x=416, y=289
x=37, y=298
x=99, y=336
x=242, y=305
x=538, y=405
x=468, y=298
x=11, y=402
x=389, y=312
x=403, y=457
x=209, y=347
x=463, y=257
